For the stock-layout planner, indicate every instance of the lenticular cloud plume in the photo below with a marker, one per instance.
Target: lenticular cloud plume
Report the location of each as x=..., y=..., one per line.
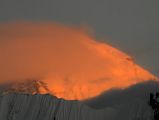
x=71, y=61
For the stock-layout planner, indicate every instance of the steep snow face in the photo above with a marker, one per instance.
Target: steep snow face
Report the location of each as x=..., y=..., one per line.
x=44, y=107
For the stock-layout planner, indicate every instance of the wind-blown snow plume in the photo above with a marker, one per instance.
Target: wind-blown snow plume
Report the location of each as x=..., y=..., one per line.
x=71, y=61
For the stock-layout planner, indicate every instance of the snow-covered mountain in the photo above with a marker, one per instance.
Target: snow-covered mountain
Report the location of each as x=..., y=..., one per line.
x=23, y=101
x=126, y=104
x=44, y=107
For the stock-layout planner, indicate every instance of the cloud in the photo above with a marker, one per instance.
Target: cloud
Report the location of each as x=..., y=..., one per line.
x=70, y=60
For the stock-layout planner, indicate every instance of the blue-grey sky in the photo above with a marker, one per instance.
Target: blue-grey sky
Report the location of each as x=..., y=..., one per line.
x=130, y=25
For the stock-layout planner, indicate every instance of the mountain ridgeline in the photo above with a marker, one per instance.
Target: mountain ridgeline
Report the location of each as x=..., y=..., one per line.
x=23, y=101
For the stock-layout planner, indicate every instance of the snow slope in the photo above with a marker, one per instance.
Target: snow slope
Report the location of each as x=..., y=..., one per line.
x=44, y=107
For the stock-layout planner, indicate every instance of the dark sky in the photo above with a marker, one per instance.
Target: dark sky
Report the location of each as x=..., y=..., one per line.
x=130, y=25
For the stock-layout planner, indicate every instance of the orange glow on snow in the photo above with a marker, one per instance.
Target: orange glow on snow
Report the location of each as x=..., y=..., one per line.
x=72, y=62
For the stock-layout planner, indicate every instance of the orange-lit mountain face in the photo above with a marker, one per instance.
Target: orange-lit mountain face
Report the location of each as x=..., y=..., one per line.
x=72, y=62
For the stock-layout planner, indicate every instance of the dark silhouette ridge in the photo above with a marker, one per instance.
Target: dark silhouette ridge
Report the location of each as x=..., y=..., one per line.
x=154, y=103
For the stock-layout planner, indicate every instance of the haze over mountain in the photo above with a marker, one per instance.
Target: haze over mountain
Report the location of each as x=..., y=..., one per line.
x=74, y=66
x=74, y=63
x=68, y=58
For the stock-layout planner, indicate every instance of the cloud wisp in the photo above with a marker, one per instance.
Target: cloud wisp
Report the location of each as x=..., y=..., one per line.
x=70, y=60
